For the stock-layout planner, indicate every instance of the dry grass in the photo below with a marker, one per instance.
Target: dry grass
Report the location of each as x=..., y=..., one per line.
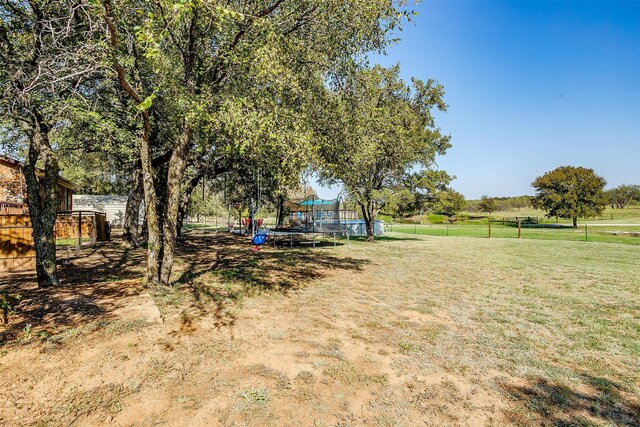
x=407, y=331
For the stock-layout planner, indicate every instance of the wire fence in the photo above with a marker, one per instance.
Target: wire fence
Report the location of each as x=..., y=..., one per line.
x=609, y=233
x=214, y=224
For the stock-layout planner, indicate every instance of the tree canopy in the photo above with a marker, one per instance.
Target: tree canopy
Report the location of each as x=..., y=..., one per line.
x=156, y=95
x=621, y=196
x=378, y=133
x=570, y=192
x=487, y=204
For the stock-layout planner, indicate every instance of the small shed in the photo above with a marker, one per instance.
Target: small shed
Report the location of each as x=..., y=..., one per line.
x=113, y=205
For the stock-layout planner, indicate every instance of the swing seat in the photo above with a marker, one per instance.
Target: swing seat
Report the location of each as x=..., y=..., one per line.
x=259, y=239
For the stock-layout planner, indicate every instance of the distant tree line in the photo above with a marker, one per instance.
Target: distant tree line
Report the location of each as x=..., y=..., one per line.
x=566, y=192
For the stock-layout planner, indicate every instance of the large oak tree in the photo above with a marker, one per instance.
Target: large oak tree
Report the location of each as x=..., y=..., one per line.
x=570, y=192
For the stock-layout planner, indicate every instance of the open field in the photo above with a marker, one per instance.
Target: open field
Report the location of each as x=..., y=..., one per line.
x=628, y=215
x=412, y=330
x=603, y=233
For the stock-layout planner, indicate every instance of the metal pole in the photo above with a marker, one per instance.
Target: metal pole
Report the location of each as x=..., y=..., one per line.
x=80, y=229
x=313, y=219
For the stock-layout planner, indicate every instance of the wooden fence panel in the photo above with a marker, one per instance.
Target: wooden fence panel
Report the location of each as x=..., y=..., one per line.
x=16, y=241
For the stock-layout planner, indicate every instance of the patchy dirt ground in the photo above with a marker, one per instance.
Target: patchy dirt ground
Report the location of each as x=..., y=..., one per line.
x=409, y=331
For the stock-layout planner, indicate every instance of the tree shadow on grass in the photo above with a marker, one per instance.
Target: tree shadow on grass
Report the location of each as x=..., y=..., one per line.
x=222, y=269
x=602, y=402
x=94, y=285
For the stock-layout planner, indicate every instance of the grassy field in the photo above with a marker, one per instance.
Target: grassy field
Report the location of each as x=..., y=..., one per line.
x=411, y=330
x=628, y=215
x=594, y=233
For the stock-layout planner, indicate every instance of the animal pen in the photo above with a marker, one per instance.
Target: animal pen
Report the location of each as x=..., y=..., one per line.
x=72, y=230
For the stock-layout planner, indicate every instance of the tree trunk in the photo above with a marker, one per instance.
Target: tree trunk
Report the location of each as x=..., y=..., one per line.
x=575, y=222
x=185, y=198
x=175, y=174
x=130, y=235
x=143, y=236
x=43, y=205
x=154, y=242
x=368, y=214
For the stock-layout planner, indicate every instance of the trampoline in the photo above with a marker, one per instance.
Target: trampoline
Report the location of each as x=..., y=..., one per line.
x=305, y=219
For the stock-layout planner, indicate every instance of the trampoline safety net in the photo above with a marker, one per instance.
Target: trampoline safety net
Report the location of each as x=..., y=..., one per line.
x=310, y=214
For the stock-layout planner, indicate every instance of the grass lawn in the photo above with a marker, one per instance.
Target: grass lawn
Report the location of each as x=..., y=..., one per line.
x=628, y=215
x=411, y=330
x=600, y=233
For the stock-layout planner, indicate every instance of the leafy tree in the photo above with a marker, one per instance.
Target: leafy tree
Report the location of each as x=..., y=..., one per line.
x=47, y=58
x=375, y=131
x=449, y=202
x=196, y=72
x=570, y=192
x=521, y=202
x=487, y=204
x=621, y=196
x=397, y=202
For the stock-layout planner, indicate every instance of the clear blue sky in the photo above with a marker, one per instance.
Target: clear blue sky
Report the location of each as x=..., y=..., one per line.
x=531, y=85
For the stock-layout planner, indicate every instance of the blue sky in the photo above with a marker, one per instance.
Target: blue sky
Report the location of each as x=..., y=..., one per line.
x=531, y=85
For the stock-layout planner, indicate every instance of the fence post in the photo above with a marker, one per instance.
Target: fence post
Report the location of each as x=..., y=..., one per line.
x=447, y=229
x=415, y=228
x=519, y=229
x=489, y=222
x=80, y=229
x=586, y=233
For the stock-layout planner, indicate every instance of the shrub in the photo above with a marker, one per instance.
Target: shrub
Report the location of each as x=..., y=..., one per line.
x=436, y=219
x=8, y=303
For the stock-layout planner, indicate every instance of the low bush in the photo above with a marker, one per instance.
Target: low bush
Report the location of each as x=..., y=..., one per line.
x=436, y=219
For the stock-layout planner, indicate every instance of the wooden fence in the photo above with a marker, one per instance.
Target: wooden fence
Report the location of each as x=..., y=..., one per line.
x=72, y=230
x=16, y=243
x=11, y=208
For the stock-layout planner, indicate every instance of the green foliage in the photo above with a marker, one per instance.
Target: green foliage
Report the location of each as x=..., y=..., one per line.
x=502, y=203
x=449, y=202
x=398, y=202
x=487, y=204
x=570, y=192
x=8, y=304
x=623, y=195
x=436, y=219
x=375, y=131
